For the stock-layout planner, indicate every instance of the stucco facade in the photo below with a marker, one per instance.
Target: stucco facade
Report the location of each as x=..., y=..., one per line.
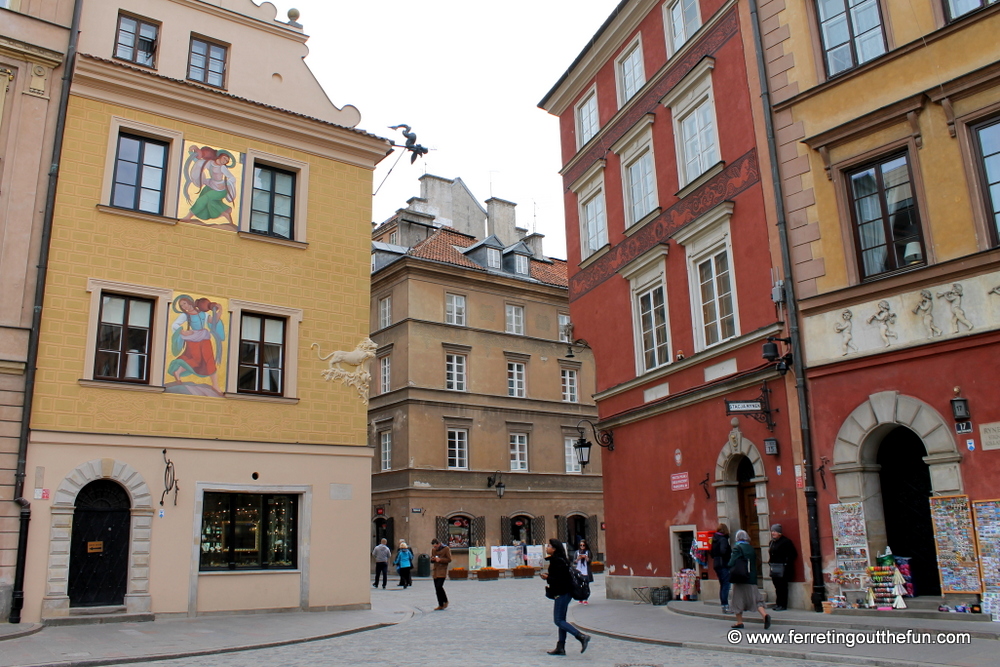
x=225, y=398
x=441, y=319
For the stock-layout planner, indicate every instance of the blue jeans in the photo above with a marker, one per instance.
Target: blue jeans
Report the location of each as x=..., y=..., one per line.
x=559, y=617
x=723, y=574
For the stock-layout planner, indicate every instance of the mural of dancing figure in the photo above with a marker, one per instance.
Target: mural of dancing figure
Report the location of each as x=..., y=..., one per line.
x=196, y=339
x=210, y=171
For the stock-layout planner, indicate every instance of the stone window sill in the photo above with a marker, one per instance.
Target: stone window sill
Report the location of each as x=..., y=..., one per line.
x=139, y=215
x=302, y=245
x=261, y=397
x=127, y=386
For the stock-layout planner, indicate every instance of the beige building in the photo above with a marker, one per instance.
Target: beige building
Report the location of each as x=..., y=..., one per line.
x=34, y=35
x=476, y=402
x=189, y=452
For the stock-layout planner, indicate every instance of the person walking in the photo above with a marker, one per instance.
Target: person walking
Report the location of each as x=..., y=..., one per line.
x=743, y=576
x=781, y=561
x=403, y=563
x=382, y=554
x=440, y=557
x=581, y=561
x=560, y=589
x=721, y=552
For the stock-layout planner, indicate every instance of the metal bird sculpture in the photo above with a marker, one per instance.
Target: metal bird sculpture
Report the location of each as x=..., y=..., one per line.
x=416, y=150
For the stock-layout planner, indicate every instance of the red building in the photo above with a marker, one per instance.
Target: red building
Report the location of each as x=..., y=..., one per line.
x=672, y=265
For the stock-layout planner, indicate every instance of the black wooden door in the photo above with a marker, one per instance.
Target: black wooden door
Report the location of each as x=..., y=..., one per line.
x=99, y=546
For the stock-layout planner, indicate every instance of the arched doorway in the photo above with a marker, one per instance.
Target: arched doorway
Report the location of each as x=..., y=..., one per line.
x=905, y=481
x=99, y=545
x=576, y=530
x=384, y=530
x=747, y=490
x=740, y=480
x=520, y=529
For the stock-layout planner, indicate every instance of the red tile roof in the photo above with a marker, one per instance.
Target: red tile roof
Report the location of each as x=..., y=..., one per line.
x=552, y=274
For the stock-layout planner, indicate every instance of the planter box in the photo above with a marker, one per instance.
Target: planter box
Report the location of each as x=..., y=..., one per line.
x=486, y=575
x=523, y=573
x=458, y=574
x=597, y=567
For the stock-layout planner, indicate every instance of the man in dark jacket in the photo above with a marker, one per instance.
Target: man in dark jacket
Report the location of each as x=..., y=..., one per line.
x=721, y=551
x=782, y=554
x=440, y=557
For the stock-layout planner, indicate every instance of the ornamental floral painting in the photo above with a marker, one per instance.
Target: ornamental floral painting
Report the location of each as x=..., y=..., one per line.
x=210, y=183
x=196, y=346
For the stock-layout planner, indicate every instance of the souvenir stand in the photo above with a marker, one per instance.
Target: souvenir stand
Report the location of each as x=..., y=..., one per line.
x=850, y=542
x=987, y=517
x=955, y=542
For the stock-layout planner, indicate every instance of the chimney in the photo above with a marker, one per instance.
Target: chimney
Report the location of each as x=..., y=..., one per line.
x=534, y=241
x=500, y=220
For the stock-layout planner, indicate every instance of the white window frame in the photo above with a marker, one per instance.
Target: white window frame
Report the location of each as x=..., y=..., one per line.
x=293, y=318
x=674, y=41
x=564, y=335
x=588, y=122
x=385, y=312
x=521, y=264
x=300, y=205
x=175, y=159
x=493, y=258
x=589, y=189
x=458, y=449
x=518, y=452
x=384, y=373
x=645, y=273
x=627, y=82
x=454, y=372
x=569, y=453
x=516, y=385
x=454, y=309
x=514, y=319
x=636, y=148
x=394, y=238
x=569, y=381
x=685, y=99
x=703, y=238
x=385, y=450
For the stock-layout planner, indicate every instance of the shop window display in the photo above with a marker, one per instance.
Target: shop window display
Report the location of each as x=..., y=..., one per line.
x=458, y=532
x=246, y=531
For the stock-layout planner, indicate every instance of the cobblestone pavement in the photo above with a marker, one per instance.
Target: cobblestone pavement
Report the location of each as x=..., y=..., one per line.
x=503, y=623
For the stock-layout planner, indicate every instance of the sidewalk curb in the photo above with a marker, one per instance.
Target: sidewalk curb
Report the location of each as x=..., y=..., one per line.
x=95, y=662
x=31, y=629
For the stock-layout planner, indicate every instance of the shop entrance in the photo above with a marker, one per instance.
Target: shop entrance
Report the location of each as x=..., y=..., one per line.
x=384, y=529
x=749, y=522
x=99, y=546
x=906, y=486
x=576, y=528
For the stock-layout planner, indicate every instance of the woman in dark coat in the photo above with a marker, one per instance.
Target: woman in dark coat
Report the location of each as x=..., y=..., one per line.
x=782, y=554
x=721, y=553
x=745, y=596
x=560, y=589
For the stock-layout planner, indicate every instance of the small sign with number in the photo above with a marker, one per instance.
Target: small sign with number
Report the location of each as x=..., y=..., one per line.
x=963, y=427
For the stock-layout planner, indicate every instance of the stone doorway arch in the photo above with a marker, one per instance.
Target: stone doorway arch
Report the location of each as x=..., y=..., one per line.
x=55, y=603
x=727, y=485
x=856, y=472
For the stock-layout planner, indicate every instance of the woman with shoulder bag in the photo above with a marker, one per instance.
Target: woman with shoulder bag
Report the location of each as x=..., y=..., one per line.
x=743, y=576
x=782, y=558
x=560, y=589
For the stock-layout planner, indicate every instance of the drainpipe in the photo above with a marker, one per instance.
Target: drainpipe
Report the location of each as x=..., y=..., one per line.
x=17, y=598
x=798, y=368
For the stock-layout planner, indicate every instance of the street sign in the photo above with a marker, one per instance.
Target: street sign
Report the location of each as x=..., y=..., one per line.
x=963, y=427
x=743, y=406
x=679, y=481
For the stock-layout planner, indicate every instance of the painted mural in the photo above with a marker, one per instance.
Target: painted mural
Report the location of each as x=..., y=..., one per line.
x=196, y=346
x=210, y=185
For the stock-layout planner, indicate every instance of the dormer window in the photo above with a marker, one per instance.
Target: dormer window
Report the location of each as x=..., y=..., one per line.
x=493, y=258
x=521, y=265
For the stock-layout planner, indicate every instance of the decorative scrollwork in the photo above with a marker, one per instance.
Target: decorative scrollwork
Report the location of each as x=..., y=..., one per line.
x=169, y=480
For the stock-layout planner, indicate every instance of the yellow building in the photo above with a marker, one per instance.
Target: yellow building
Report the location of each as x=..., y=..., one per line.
x=188, y=453
x=887, y=132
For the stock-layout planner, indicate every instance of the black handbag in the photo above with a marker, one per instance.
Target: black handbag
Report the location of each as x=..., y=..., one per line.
x=740, y=572
x=777, y=570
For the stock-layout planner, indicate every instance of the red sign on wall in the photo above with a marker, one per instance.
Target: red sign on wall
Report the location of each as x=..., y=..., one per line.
x=679, y=481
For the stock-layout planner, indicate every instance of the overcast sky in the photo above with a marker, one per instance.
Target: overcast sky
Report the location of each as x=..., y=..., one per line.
x=467, y=76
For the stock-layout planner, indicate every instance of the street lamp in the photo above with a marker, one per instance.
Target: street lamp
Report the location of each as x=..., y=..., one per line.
x=603, y=438
x=495, y=481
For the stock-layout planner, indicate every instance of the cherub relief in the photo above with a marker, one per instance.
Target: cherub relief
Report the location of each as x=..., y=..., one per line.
x=844, y=329
x=926, y=310
x=885, y=318
x=954, y=299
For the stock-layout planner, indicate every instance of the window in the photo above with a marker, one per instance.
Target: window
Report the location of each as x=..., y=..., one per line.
x=521, y=264
x=716, y=291
x=136, y=41
x=385, y=374
x=587, y=123
x=630, y=72
x=515, y=379
x=852, y=33
x=384, y=312
x=519, y=451
x=572, y=462
x=458, y=533
x=568, y=377
x=140, y=174
x=515, y=319
x=886, y=222
x=458, y=449
x=454, y=372
x=262, y=354
x=595, y=225
x=249, y=531
x=987, y=142
x=653, y=328
x=385, y=449
x=638, y=175
x=207, y=62
x=124, y=339
x=454, y=309
x=272, y=207
x=565, y=328
x=692, y=107
x=493, y=258
x=682, y=21
x=959, y=8
x=394, y=238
